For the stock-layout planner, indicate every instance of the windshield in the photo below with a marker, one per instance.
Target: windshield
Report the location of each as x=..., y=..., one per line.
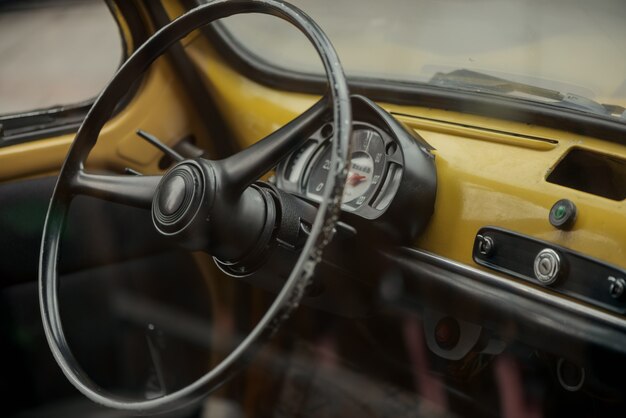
x=568, y=46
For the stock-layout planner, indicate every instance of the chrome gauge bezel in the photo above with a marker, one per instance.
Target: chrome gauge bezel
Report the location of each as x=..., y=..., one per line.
x=401, y=202
x=386, y=160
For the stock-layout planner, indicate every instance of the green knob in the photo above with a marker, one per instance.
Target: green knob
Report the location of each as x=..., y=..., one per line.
x=563, y=214
x=560, y=212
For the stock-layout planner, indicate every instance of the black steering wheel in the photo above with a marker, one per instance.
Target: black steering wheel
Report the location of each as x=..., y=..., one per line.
x=203, y=205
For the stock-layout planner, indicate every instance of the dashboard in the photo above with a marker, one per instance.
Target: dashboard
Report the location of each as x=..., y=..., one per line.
x=391, y=190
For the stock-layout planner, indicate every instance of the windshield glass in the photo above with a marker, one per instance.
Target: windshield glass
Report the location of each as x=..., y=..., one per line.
x=565, y=46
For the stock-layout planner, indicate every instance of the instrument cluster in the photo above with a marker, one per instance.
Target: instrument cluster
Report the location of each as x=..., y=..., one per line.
x=391, y=179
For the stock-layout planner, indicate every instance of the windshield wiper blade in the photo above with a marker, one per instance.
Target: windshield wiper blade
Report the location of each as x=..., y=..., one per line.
x=484, y=83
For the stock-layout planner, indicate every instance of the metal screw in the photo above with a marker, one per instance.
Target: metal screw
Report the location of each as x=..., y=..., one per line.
x=616, y=287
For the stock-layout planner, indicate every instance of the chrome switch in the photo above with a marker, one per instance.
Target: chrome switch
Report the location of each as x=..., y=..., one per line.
x=617, y=285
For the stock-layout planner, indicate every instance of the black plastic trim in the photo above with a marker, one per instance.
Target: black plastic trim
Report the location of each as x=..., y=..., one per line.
x=16, y=129
x=416, y=94
x=581, y=277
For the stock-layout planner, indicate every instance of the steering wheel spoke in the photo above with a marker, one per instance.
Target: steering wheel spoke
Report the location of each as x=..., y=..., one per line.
x=245, y=167
x=131, y=190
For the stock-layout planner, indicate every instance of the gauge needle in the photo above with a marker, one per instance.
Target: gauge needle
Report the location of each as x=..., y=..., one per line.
x=355, y=179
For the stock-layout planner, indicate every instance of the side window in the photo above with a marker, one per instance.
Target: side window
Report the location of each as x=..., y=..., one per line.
x=55, y=53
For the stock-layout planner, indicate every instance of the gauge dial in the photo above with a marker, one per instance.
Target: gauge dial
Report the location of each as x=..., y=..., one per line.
x=364, y=172
x=359, y=176
x=391, y=172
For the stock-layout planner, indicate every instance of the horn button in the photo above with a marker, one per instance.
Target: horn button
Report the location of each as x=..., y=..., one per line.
x=178, y=198
x=172, y=195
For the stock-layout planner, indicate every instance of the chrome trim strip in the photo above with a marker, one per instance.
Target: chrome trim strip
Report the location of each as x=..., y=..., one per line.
x=536, y=310
x=519, y=288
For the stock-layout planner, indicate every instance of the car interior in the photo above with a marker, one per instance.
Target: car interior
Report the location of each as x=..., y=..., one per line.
x=311, y=210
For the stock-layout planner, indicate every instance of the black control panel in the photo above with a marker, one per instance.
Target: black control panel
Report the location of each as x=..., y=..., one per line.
x=558, y=268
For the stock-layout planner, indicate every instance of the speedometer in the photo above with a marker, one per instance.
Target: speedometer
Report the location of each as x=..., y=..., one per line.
x=391, y=173
x=364, y=172
x=359, y=177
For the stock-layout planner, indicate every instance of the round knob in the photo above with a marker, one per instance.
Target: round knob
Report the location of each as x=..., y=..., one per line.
x=547, y=266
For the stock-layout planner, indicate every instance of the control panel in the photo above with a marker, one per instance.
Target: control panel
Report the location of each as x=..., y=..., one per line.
x=558, y=268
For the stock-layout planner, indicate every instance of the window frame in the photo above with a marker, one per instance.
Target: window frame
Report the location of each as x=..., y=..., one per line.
x=20, y=127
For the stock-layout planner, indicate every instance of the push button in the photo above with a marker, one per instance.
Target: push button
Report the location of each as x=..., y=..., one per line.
x=547, y=266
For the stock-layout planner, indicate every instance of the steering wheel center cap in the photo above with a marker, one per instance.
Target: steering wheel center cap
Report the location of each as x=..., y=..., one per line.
x=178, y=198
x=172, y=195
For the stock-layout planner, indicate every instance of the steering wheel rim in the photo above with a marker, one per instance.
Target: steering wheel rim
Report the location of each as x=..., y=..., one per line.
x=320, y=234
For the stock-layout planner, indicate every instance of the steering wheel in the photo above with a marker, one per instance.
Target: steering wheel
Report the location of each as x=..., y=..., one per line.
x=202, y=205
